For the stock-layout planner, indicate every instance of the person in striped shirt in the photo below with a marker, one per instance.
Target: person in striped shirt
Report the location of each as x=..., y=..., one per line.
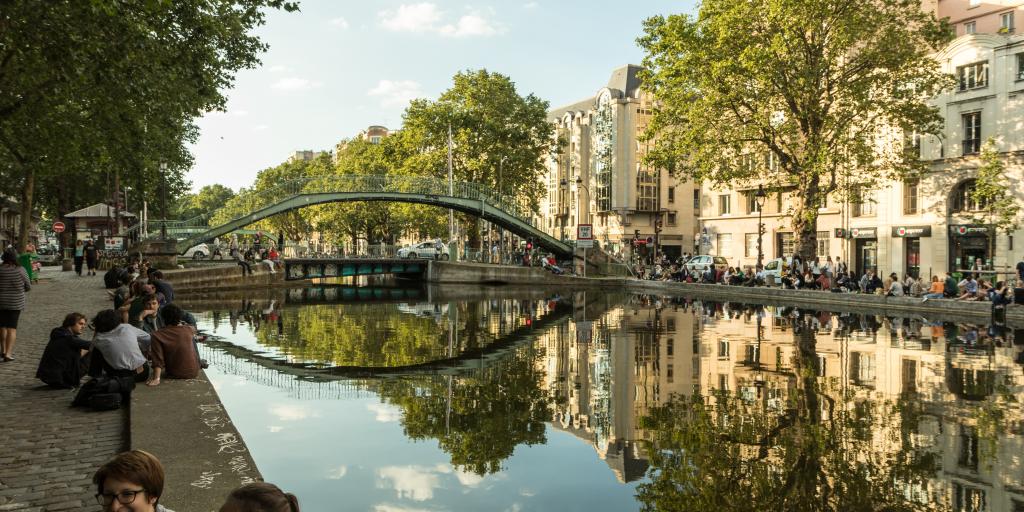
x=14, y=283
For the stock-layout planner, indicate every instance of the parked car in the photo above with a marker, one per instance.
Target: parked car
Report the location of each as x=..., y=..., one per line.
x=701, y=262
x=198, y=252
x=426, y=250
x=776, y=268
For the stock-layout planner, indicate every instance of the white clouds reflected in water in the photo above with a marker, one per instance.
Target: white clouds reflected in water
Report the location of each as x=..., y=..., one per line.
x=385, y=413
x=418, y=483
x=337, y=473
x=292, y=412
x=384, y=507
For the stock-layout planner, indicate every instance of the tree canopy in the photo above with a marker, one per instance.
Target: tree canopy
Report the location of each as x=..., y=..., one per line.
x=812, y=95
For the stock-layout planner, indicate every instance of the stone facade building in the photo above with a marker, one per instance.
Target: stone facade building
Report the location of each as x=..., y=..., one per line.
x=598, y=176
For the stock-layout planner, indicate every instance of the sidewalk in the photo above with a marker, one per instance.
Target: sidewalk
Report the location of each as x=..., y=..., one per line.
x=48, y=451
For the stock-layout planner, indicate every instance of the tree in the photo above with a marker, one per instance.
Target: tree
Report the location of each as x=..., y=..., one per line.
x=205, y=201
x=999, y=206
x=109, y=88
x=824, y=87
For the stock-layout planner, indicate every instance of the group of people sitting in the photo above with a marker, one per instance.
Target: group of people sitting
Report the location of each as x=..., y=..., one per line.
x=145, y=336
x=247, y=256
x=134, y=480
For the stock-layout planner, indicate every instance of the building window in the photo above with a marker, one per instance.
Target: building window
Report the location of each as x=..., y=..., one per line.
x=785, y=244
x=973, y=76
x=750, y=245
x=670, y=375
x=671, y=195
x=910, y=195
x=964, y=200
x=1020, y=66
x=375, y=139
x=972, y=133
x=822, y=248
x=751, y=199
x=864, y=203
x=724, y=243
x=970, y=28
x=647, y=186
x=724, y=204
x=671, y=219
x=696, y=200
x=1006, y=22
x=723, y=349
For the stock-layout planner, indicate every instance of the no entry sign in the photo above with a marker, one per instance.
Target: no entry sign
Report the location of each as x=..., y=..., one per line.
x=58, y=227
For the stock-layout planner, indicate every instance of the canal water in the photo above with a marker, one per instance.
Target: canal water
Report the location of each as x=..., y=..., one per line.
x=396, y=399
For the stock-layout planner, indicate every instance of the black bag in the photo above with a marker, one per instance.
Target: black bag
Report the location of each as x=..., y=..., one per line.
x=95, y=393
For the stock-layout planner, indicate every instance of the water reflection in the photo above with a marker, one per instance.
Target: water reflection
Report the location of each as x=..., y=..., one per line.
x=703, y=405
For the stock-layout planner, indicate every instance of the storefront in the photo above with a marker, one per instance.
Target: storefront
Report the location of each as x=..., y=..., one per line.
x=967, y=243
x=865, y=249
x=911, y=236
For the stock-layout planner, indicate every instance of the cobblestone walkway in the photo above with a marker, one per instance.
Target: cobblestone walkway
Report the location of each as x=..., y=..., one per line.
x=48, y=451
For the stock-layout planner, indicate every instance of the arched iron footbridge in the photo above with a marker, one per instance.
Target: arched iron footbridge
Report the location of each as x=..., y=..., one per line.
x=470, y=198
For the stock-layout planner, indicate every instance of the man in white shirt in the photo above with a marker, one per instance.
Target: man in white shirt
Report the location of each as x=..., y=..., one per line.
x=119, y=346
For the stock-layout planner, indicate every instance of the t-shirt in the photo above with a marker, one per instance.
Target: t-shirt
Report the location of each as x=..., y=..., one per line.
x=172, y=349
x=120, y=347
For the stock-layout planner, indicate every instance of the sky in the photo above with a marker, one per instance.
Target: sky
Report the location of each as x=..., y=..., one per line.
x=337, y=67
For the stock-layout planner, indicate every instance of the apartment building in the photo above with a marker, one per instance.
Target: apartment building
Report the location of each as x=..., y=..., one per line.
x=922, y=227
x=598, y=176
x=979, y=16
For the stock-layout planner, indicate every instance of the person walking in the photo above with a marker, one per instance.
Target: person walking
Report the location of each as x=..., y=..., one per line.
x=79, y=256
x=27, y=260
x=14, y=283
x=92, y=256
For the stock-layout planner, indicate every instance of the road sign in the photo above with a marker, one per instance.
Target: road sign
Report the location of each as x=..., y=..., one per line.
x=585, y=244
x=58, y=227
x=585, y=232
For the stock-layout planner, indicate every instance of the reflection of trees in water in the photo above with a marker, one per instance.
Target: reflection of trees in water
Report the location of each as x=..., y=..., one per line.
x=823, y=450
x=480, y=419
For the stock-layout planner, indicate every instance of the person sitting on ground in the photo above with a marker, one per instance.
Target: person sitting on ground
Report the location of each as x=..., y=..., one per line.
x=260, y=497
x=64, y=359
x=738, y=277
x=142, y=310
x=916, y=287
x=173, y=348
x=968, y=288
x=120, y=347
x=1000, y=295
x=131, y=481
x=936, y=291
x=950, y=288
x=708, y=277
x=895, y=286
x=869, y=282
x=242, y=261
x=983, y=289
x=123, y=291
x=808, y=282
x=156, y=278
x=824, y=282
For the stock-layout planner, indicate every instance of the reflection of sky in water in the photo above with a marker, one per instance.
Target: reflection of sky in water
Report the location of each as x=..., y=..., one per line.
x=353, y=451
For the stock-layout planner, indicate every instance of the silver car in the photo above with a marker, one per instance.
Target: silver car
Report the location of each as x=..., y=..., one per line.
x=426, y=250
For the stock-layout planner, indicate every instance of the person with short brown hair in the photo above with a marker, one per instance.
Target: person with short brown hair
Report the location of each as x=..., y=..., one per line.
x=63, y=362
x=131, y=481
x=260, y=497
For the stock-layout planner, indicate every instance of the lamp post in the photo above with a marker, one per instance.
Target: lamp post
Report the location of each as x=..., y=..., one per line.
x=759, y=199
x=579, y=183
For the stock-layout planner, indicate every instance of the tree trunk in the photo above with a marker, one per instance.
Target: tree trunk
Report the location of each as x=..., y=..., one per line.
x=26, y=207
x=805, y=220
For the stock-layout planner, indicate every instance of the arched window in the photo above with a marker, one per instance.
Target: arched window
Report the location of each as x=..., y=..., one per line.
x=964, y=200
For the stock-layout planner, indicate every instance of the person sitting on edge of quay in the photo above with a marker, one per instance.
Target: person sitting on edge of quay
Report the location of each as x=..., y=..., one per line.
x=843, y=283
x=64, y=359
x=142, y=310
x=260, y=497
x=173, y=348
x=968, y=288
x=131, y=481
x=869, y=282
x=119, y=346
x=937, y=290
x=241, y=261
x=162, y=287
x=14, y=283
x=895, y=286
x=950, y=288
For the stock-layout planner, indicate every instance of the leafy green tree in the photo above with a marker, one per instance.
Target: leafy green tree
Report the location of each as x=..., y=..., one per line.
x=87, y=87
x=1000, y=206
x=204, y=202
x=819, y=85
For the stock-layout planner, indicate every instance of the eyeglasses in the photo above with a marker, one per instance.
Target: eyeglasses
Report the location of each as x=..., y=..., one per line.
x=123, y=497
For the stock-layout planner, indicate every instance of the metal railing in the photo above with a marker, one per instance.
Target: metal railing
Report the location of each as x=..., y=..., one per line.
x=352, y=183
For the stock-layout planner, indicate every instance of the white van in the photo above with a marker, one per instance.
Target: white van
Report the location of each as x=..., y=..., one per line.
x=776, y=268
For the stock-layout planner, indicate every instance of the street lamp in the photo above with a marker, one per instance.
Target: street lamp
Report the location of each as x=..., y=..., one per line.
x=759, y=198
x=579, y=183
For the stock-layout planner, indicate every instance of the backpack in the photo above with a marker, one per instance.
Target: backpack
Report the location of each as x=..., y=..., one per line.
x=104, y=393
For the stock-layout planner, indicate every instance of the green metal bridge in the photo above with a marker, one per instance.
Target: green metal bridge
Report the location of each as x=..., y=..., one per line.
x=471, y=198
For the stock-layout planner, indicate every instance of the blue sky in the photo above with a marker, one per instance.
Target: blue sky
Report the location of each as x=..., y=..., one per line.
x=337, y=67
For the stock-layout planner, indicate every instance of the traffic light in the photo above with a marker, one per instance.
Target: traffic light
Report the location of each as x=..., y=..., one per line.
x=529, y=244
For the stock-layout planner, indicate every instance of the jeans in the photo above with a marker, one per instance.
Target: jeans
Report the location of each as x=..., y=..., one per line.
x=933, y=295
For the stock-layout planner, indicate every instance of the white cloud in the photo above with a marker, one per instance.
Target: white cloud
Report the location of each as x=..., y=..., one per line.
x=385, y=413
x=260, y=128
x=274, y=428
x=468, y=479
x=340, y=22
x=279, y=69
x=410, y=482
x=294, y=83
x=470, y=25
x=420, y=17
x=337, y=473
x=396, y=93
x=291, y=412
x=426, y=17
x=383, y=507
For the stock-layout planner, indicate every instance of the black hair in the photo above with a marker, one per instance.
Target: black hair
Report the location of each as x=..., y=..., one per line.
x=156, y=273
x=172, y=314
x=106, y=320
x=9, y=257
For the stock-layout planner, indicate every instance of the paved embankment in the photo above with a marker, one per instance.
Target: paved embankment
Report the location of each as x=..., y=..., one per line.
x=49, y=451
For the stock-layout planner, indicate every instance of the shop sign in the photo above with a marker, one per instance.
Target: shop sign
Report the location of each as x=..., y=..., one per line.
x=911, y=231
x=839, y=233
x=113, y=243
x=863, y=232
x=968, y=229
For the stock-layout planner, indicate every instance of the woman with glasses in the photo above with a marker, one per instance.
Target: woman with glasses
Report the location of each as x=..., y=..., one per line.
x=64, y=358
x=130, y=482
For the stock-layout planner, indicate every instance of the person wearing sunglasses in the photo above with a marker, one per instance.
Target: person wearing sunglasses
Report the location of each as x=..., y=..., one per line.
x=130, y=482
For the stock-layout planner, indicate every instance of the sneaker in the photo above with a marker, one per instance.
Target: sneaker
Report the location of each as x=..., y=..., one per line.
x=925, y=299
x=203, y=364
